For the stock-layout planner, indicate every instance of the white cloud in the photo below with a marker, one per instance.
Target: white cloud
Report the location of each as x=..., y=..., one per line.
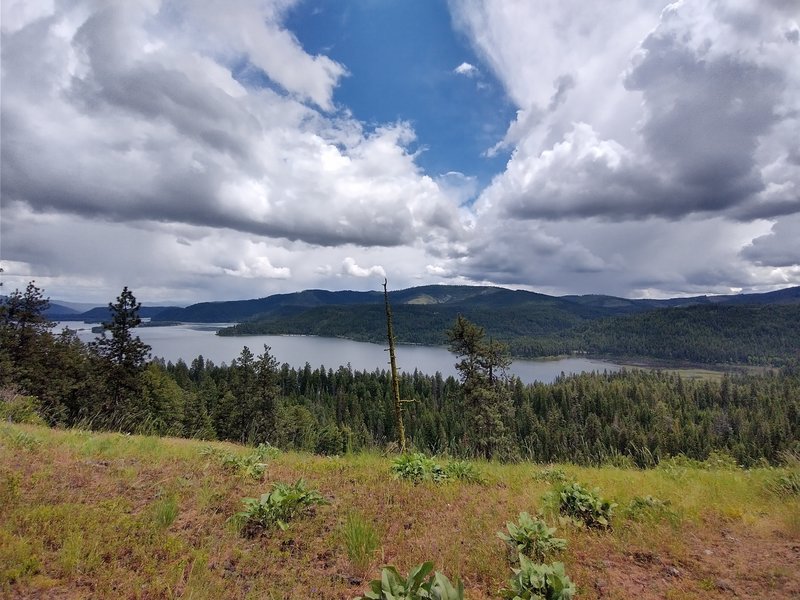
x=651, y=153
x=681, y=124
x=349, y=267
x=466, y=69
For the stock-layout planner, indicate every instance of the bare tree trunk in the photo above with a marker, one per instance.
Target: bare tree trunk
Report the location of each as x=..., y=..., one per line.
x=398, y=409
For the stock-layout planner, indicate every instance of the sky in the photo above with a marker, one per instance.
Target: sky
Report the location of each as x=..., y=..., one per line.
x=199, y=150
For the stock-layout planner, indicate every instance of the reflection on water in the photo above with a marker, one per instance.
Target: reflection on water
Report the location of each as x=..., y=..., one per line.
x=190, y=340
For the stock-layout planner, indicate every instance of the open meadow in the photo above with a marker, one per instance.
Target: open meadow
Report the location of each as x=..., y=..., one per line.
x=86, y=514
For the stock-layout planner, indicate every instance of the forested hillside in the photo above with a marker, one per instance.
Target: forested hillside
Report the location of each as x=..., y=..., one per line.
x=716, y=333
x=588, y=418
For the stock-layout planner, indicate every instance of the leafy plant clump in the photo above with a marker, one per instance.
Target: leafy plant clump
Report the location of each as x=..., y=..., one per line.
x=360, y=540
x=277, y=507
x=464, y=471
x=539, y=582
x=251, y=465
x=585, y=506
x=532, y=538
x=551, y=475
x=717, y=461
x=648, y=508
x=393, y=586
x=417, y=468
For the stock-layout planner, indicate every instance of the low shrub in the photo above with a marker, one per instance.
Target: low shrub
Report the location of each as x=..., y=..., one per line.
x=417, y=468
x=419, y=584
x=532, y=537
x=277, y=507
x=539, y=582
x=16, y=408
x=717, y=460
x=585, y=506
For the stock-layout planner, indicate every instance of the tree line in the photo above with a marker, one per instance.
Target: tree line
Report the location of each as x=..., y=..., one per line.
x=641, y=416
x=727, y=334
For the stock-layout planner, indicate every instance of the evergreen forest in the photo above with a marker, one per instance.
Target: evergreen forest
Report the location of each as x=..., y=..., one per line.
x=631, y=417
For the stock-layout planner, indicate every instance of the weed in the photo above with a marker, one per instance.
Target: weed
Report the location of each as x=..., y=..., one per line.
x=418, y=467
x=393, y=586
x=165, y=511
x=584, y=505
x=532, y=537
x=277, y=507
x=251, y=465
x=16, y=408
x=17, y=559
x=361, y=541
x=539, y=582
x=551, y=475
x=21, y=439
x=785, y=484
x=648, y=508
x=9, y=488
x=464, y=471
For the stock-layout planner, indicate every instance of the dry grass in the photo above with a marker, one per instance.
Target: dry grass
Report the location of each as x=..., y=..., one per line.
x=108, y=515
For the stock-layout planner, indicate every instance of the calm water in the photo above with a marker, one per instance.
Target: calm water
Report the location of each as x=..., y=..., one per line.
x=188, y=341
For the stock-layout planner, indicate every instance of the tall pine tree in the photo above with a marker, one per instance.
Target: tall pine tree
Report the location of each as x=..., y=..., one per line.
x=487, y=398
x=125, y=357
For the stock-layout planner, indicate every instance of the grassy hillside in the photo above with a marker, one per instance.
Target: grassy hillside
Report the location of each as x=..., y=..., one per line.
x=109, y=515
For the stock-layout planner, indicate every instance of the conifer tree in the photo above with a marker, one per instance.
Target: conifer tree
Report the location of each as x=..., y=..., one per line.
x=125, y=356
x=486, y=392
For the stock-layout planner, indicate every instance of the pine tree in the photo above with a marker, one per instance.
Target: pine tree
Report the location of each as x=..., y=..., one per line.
x=487, y=396
x=24, y=337
x=125, y=357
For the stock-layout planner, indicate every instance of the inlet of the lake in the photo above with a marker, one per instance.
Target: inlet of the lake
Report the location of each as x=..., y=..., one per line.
x=187, y=341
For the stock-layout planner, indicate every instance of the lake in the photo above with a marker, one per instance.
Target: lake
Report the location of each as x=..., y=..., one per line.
x=187, y=341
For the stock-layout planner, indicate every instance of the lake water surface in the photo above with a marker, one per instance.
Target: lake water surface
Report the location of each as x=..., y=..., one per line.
x=190, y=340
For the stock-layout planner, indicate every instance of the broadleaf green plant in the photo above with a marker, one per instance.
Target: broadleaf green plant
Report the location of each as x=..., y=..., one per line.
x=277, y=507
x=417, y=468
x=585, y=506
x=419, y=584
x=539, y=582
x=532, y=537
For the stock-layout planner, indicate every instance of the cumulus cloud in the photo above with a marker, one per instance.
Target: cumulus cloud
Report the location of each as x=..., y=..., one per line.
x=779, y=248
x=653, y=152
x=707, y=99
x=682, y=123
x=130, y=111
x=349, y=267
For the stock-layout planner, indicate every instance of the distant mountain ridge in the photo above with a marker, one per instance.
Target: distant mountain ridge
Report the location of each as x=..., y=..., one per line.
x=98, y=314
x=454, y=296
